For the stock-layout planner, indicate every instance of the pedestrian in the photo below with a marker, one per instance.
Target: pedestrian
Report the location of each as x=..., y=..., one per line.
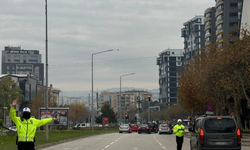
x=26, y=127
x=179, y=130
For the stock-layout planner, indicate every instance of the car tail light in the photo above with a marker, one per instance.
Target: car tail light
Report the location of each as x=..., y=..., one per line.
x=119, y=127
x=139, y=127
x=201, y=135
x=168, y=128
x=160, y=128
x=127, y=127
x=238, y=135
x=147, y=127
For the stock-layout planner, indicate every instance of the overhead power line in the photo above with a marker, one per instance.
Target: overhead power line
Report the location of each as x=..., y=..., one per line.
x=103, y=62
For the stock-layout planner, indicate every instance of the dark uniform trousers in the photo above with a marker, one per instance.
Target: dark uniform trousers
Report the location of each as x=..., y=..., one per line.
x=26, y=146
x=179, y=141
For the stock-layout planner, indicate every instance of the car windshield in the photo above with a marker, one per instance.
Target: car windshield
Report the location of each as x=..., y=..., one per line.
x=144, y=125
x=164, y=125
x=220, y=125
x=124, y=125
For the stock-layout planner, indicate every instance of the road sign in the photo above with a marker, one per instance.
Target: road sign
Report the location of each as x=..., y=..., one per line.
x=210, y=107
x=209, y=113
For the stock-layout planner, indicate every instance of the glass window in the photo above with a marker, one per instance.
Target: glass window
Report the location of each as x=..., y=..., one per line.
x=172, y=68
x=233, y=14
x=172, y=84
x=8, y=67
x=172, y=79
x=8, y=72
x=172, y=74
x=172, y=64
x=220, y=125
x=33, y=59
x=173, y=94
x=172, y=59
x=233, y=5
x=232, y=24
x=172, y=52
x=13, y=67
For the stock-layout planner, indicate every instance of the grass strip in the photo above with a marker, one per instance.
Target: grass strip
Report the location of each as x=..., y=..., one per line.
x=55, y=136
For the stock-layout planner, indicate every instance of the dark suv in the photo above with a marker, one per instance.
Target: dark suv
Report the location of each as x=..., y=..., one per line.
x=215, y=133
x=153, y=126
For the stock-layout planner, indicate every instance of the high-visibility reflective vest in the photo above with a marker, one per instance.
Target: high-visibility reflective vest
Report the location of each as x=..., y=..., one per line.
x=26, y=129
x=179, y=133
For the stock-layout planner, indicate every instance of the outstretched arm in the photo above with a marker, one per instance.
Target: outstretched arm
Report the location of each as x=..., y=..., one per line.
x=13, y=112
x=43, y=122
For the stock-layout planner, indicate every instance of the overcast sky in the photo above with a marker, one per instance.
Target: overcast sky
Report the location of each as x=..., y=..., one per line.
x=140, y=29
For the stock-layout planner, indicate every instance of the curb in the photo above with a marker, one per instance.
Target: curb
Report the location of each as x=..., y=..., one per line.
x=68, y=140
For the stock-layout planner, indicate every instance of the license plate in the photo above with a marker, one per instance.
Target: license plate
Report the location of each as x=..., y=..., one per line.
x=220, y=143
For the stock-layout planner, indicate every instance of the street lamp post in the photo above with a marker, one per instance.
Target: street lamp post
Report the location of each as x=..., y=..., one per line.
x=120, y=93
x=92, y=113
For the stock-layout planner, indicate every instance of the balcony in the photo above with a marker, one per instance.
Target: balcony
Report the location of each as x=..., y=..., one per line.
x=218, y=2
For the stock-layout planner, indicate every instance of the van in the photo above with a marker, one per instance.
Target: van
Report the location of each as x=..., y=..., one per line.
x=82, y=125
x=215, y=133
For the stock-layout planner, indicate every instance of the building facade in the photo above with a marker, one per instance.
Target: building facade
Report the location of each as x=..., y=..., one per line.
x=55, y=93
x=18, y=61
x=193, y=34
x=210, y=37
x=106, y=96
x=170, y=62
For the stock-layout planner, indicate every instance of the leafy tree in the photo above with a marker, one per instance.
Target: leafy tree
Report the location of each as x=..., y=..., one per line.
x=107, y=111
x=78, y=112
x=8, y=92
x=37, y=102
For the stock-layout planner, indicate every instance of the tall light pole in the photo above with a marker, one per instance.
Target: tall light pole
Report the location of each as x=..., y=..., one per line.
x=92, y=114
x=120, y=93
x=46, y=51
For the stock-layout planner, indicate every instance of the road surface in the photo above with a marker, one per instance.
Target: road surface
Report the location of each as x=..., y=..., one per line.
x=124, y=141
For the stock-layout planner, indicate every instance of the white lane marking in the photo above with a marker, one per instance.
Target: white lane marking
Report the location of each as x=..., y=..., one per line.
x=159, y=142
x=107, y=146
x=112, y=143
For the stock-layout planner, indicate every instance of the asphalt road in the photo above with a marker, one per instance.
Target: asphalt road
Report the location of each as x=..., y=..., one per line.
x=124, y=141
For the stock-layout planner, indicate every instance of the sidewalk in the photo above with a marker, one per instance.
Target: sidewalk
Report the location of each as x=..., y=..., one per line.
x=245, y=140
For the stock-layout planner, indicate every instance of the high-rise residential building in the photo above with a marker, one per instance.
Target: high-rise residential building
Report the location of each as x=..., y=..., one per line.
x=18, y=61
x=228, y=15
x=210, y=29
x=193, y=34
x=107, y=96
x=223, y=20
x=169, y=62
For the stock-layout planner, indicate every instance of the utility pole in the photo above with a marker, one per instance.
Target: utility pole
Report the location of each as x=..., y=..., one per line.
x=97, y=102
x=46, y=51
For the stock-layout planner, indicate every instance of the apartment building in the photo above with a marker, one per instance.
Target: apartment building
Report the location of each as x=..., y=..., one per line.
x=109, y=97
x=223, y=20
x=170, y=62
x=193, y=34
x=18, y=61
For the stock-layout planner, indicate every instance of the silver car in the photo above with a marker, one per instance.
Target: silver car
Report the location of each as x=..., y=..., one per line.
x=165, y=128
x=125, y=128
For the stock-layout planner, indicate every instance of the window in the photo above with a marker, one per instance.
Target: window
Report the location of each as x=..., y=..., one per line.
x=13, y=67
x=233, y=14
x=233, y=5
x=172, y=52
x=172, y=79
x=172, y=68
x=33, y=59
x=8, y=72
x=172, y=59
x=232, y=24
x=173, y=94
x=9, y=58
x=13, y=72
x=219, y=17
x=172, y=84
x=221, y=125
x=172, y=64
x=17, y=59
x=8, y=67
x=172, y=74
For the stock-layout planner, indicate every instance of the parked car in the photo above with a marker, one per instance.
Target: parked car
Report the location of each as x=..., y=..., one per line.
x=165, y=128
x=13, y=128
x=186, y=124
x=82, y=125
x=134, y=127
x=125, y=128
x=144, y=128
x=215, y=132
x=153, y=126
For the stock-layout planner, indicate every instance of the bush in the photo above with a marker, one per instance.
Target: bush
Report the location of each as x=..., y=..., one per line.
x=1, y=121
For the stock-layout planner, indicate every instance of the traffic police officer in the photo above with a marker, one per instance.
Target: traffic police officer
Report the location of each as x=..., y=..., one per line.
x=26, y=127
x=179, y=130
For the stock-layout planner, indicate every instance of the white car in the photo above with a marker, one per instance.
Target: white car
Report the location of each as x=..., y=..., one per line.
x=13, y=128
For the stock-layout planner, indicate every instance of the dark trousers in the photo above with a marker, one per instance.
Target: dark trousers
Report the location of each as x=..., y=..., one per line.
x=26, y=146
x=179, y=141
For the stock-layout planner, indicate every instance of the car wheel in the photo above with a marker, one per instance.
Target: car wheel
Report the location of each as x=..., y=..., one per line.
x=149, y=132
x=139, y=132
x=120, y=132
x=160, y=133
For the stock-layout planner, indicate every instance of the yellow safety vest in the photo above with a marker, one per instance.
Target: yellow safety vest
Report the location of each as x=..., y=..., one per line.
x=179, y=133
x=26, y=129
